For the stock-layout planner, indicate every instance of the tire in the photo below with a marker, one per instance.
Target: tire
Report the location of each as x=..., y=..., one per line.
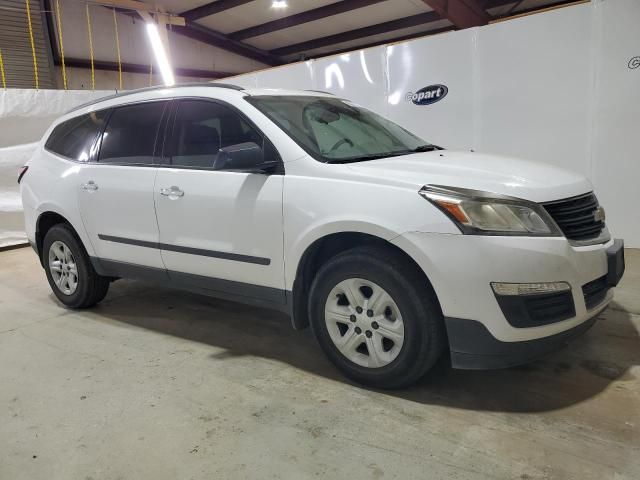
x=361, y=273
x=63, y=254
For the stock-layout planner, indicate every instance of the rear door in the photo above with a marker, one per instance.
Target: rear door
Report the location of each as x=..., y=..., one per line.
x=219, y=230
x=115, y=193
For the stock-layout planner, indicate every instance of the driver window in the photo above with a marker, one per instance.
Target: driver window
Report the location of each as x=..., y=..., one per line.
x=202, y=128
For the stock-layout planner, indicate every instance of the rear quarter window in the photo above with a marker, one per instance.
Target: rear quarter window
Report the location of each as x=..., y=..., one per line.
x=75, y=137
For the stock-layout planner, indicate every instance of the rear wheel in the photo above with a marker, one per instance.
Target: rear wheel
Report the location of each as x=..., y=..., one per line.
x=69, y=271
x=376, y=318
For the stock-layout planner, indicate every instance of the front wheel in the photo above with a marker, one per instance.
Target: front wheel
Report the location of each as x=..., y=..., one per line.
x=69, y=271
x=376, y=318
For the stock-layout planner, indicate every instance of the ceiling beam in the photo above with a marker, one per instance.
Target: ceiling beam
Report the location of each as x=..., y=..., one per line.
x=487, y=4
x=191, y=30
x=462, y=13
x=139, y=68
x=538, y=9
x=407, y=22
x=212, y=8
x=212, y=37
x=403, y=38
x=220, y=40
x=301, y=18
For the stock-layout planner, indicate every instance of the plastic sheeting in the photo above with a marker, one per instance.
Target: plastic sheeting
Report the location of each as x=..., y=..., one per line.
x=25, y=114
x=11, y=222
x=24, y=117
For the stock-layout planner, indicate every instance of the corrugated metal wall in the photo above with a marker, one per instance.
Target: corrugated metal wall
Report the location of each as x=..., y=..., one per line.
x=16, y=45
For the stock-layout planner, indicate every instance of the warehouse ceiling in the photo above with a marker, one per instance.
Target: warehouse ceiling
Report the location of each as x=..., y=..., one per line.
x=311, y=28
x=254, y=31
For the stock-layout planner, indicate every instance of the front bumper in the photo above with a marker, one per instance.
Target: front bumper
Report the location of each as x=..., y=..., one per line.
x=461, y=269
x=474, y=348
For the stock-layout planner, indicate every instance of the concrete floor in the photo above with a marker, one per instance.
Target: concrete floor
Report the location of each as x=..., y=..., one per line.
x=157, y=384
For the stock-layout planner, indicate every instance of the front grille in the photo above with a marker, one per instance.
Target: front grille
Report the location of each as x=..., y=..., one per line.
x=522, y=311
x=595, y=291
x=575, y=216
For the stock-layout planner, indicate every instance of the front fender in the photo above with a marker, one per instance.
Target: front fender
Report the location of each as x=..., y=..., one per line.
x=305, y=239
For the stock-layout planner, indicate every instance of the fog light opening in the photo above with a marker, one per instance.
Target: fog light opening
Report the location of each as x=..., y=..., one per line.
x=500, y=288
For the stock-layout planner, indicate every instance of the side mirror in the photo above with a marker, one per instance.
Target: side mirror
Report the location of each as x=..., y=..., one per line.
x=247, y=157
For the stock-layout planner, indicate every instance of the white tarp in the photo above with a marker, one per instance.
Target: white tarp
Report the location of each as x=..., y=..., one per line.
x=24, y=116
x=11, y=223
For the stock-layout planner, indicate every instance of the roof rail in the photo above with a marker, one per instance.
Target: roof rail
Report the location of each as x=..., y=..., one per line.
x=320, y=91
x=151, y=89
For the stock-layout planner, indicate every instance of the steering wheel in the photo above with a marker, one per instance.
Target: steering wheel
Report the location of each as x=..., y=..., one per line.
x=339, y=143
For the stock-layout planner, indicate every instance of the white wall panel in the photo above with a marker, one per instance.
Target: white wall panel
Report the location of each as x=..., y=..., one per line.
x=246, y=80
x=615, y=155
x=358, y=76
x=533, y=87
x=445, y=59
x=296, y=76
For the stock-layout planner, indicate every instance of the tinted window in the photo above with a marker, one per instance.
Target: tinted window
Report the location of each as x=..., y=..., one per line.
x=130, y=136
x=202, y=128
x=74, y=138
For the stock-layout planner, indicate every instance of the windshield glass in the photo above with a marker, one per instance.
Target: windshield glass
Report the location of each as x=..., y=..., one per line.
x=337, y=131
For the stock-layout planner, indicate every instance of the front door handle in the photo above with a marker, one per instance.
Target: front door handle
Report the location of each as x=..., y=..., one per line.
x=172, y=192
x=90, y=186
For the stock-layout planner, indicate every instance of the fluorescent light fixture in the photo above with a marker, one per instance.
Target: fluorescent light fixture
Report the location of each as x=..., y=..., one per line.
x=160, y=54
x=279, y=4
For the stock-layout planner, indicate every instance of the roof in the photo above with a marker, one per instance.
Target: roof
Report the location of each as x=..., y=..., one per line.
x=164, y=91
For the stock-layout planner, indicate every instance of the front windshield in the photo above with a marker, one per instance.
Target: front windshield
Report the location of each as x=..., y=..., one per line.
x=337, y=131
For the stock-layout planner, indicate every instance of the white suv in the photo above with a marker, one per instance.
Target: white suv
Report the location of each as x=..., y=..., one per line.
x=392, y=249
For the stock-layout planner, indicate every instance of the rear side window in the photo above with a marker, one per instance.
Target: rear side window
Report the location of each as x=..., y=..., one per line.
x=130, y=136
x=74, y=138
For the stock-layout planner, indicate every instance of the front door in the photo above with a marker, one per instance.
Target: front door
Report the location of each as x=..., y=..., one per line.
x=219, y=230
x=115, y=194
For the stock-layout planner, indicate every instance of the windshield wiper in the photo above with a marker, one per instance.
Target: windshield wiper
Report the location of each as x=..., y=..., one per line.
x=375, y=156
x=363, y=158
x=426, y=148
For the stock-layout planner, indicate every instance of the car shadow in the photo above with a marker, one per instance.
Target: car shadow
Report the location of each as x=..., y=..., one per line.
x=572, y=375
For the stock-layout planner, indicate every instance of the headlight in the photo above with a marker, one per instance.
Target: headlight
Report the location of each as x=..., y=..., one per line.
x=484, y=213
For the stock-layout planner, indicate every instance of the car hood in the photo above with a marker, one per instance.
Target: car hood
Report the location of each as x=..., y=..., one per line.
x=532, y=181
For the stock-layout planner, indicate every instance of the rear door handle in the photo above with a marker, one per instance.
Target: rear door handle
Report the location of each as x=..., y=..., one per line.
x=90, y=186
x=172, y=192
